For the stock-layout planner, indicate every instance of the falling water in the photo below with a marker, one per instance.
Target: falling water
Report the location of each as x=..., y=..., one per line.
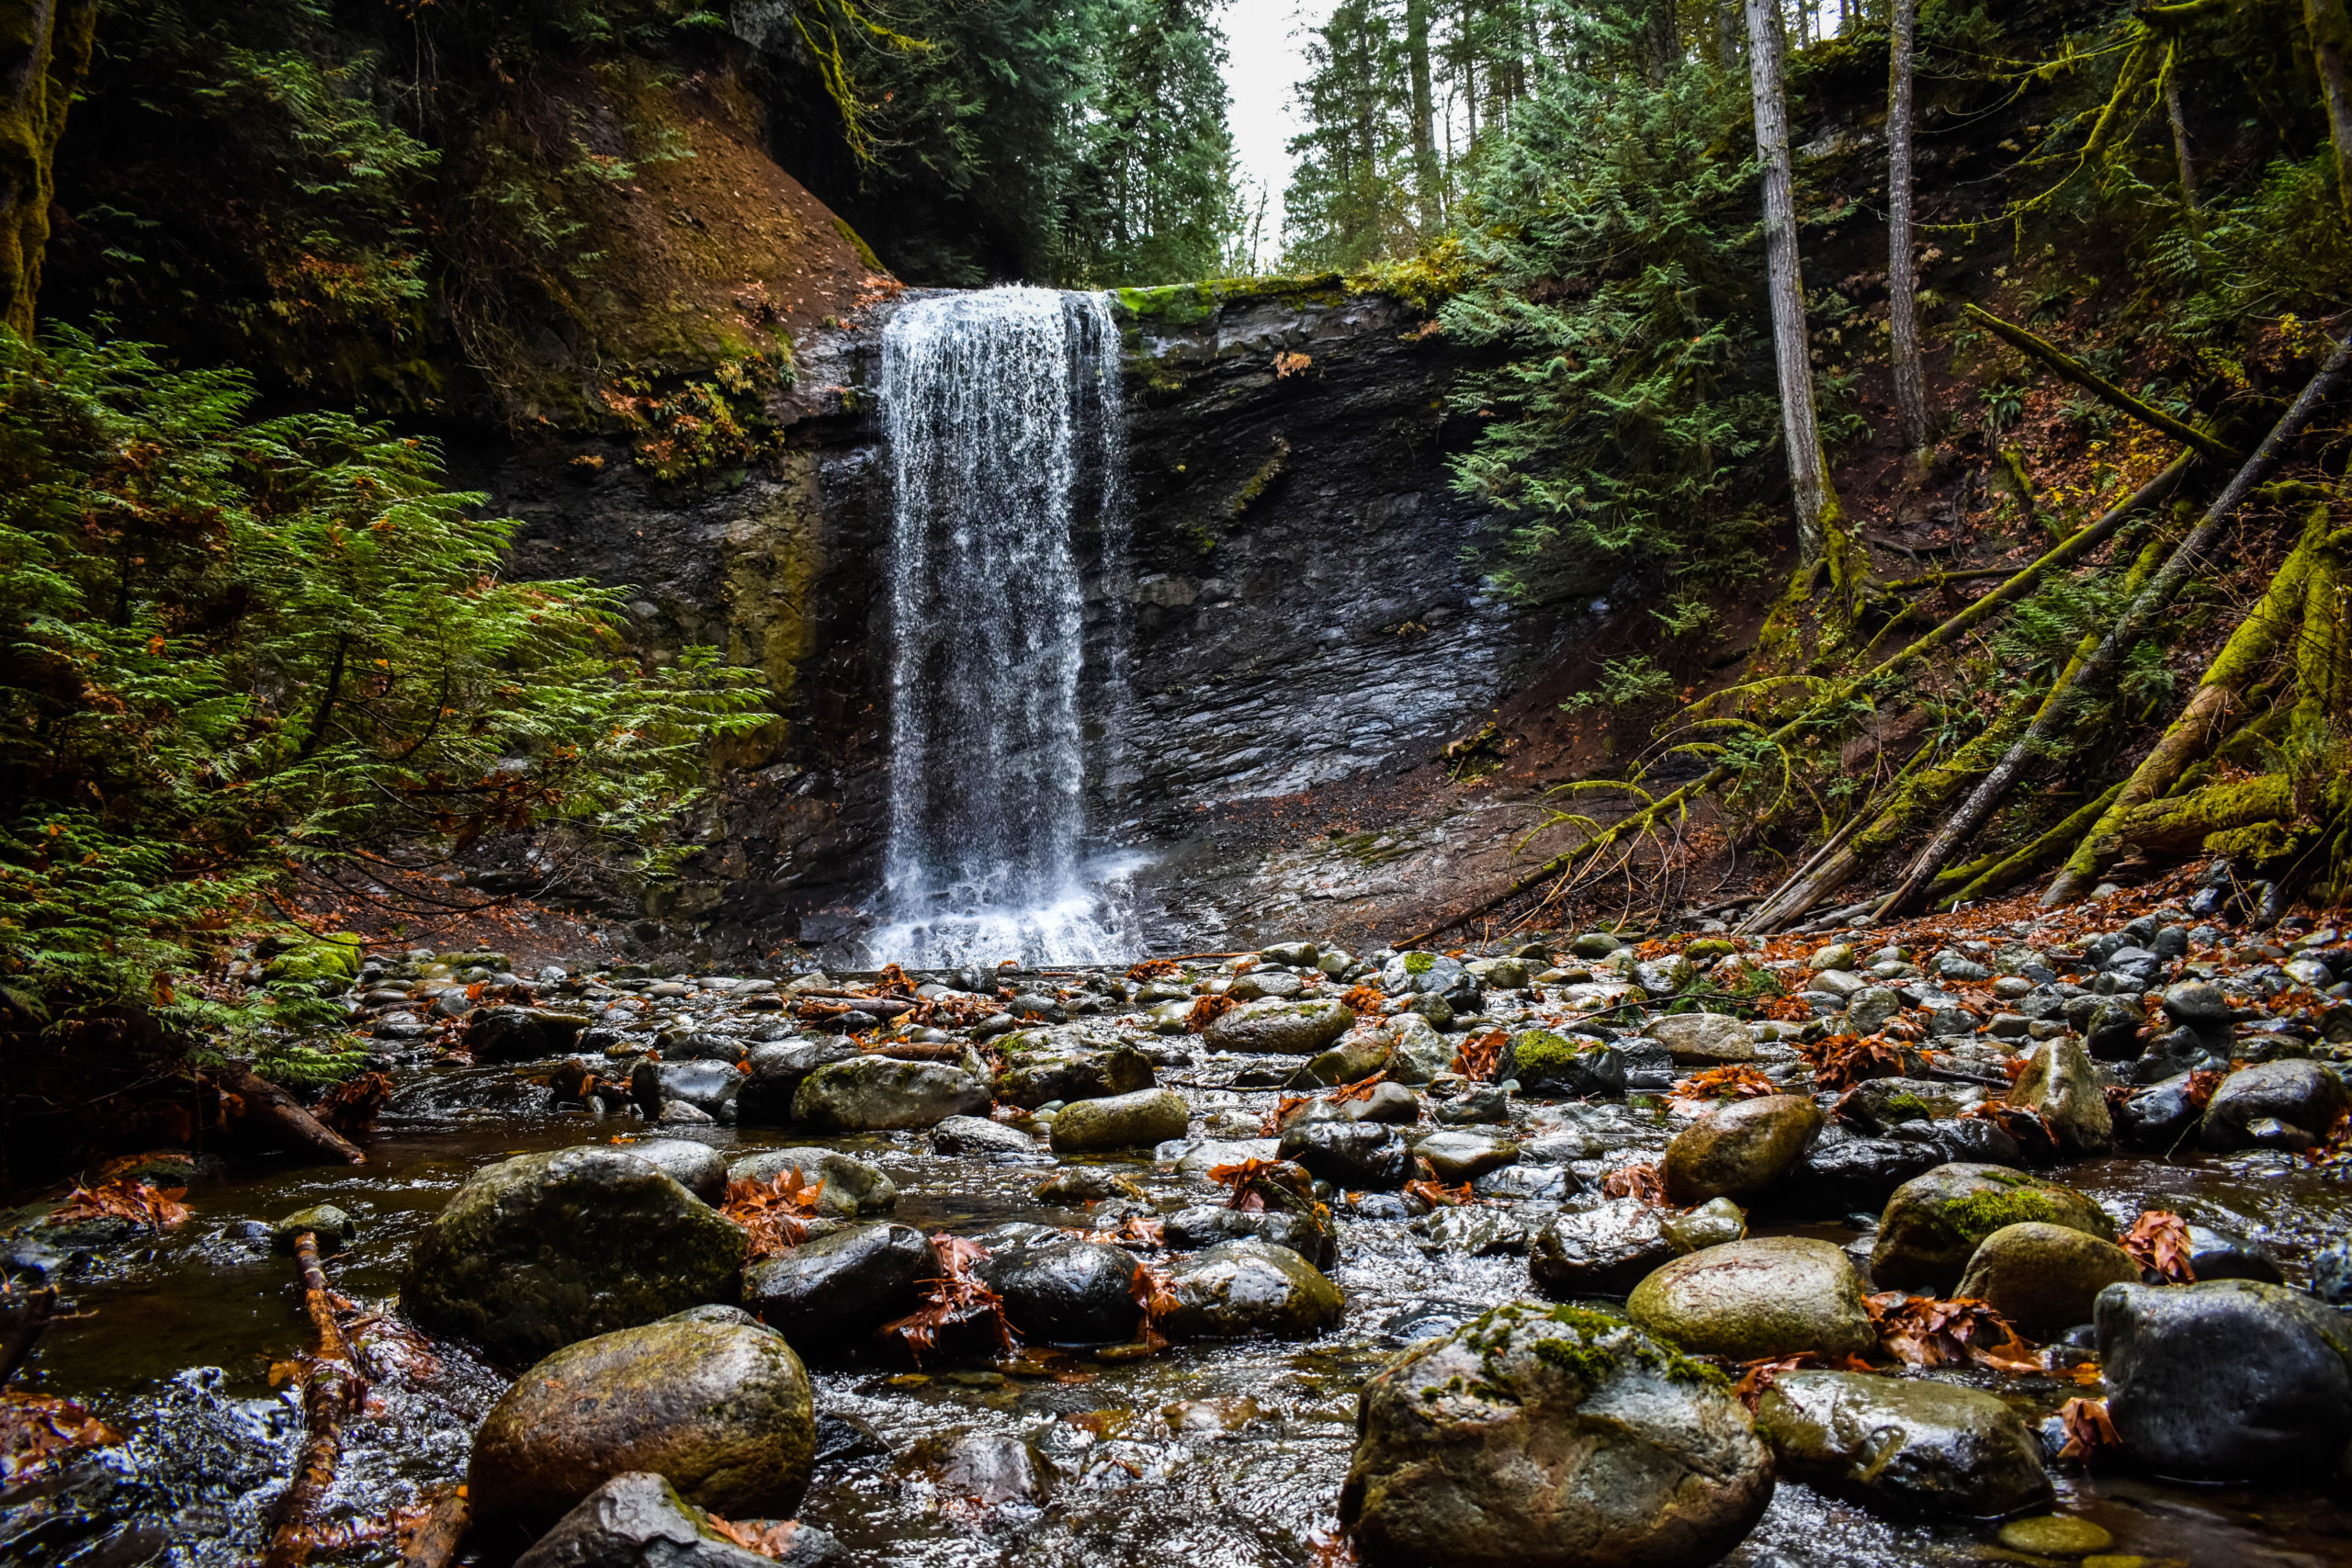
x=1002, y=409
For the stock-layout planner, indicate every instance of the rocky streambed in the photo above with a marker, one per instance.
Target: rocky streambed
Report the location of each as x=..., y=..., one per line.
x=1817, y=1250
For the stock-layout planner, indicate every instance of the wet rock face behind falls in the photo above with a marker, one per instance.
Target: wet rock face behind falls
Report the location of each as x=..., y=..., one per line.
x=1290, y=604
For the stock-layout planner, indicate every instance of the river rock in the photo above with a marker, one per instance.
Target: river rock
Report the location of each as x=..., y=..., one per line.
x=833, y=1292
x=637, y=1521
x=1205, y=1226
x=1603, y=1251
x=1291, y=1028
x=879, y=1093
x=2044, y=1278
x=2060, y=1084
x=774, y=1073
x=2160, y=1116
x=721, y=1409
x=981, y=1135
x=2111, y=1026
x=698, y=1167
x=1250, y=1287
x=1119, y=1122
x=523, y=1034
x=1420, y=974
x=1417, y=1052
x=1058, y=1289
x=1662, y=978
x=1712, y=1224
x=1350, y=1154
x=1766, y=1296
x=1934, y=1223
x=1704, y=1039
x=1547, y=1063
x=1740, y=1148
x=2228, y=1381
x=1910, y=1445
x=2302, y=1095
x=1359, y=1054
x=848, y=1188
x=1536, y=1437
x=988, y=1468
x=709, y=1086
x=1032, y=1076
x=1458, y=1156
x=1842, y=1173
x=537, y=1251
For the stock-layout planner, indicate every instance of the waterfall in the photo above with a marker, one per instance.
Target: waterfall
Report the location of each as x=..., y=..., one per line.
x=1001, y=412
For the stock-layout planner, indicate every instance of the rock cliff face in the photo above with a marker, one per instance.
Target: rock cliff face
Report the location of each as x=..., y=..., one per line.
x=1294, y=602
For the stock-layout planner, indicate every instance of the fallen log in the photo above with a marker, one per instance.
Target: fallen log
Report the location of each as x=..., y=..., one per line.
x=2099, y=385
x=278, y=1112
x=332, y=1390
x=1995, y=872
x=2149, y=602
x=436, y=1542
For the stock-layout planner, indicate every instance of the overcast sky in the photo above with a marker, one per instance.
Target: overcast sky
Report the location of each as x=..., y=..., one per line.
x=1265, y=60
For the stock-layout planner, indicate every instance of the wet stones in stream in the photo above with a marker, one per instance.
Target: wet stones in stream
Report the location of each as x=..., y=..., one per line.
x=2044, y=1278
x=1603, y=1251
x=698, y=1167
x=1366, y=1155
x=1934, y=1223
x=882, y=1093
x=981, y=1135
x=637, y=1521
x=774, y=1073
x=523, y=1033
x=2228, y=1381
x=1039, y=1070
x=1559, y=1438
x=1769, y=1296
x=716, y=1403
x=847, y=1188
x=1908, y=1445
x=1547, y=1063
x=830, y=1294
x=538, y=1251
x=1059, y=1289
x=1250, y=1287
x=1280, y=1026
x=1740, y=1148
x=1142, y=1120
x=2287, y=1105
x=2060, y=1085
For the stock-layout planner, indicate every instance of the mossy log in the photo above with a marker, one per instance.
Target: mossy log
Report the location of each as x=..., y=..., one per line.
x=1995, y=872
x=44, y=51
x=2099, y=385
x=2181, y=826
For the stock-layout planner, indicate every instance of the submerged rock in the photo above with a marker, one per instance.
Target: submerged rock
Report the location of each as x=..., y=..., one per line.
x=1240, y=1287
x=1910, y=1445
x=1767, y=1296
x=2230, y=1380
x=878, y=1093
x=1557, y=1437
x=535, y=1252
x=721, y=1409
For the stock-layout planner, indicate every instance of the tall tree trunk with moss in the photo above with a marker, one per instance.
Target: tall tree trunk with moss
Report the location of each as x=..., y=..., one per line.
x=2331, y=33
x=1427, y=178
x=1821, y=534
x=1902, y=295
x=1661, y=41
x=44, y=49
x=1728, y=33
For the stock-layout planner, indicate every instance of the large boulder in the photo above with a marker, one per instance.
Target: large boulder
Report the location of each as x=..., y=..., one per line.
x=774, y=1073
x=1240, y=1287
x=719, y=1407
x=1350, y=1154
x=847, y=1188
x=1909, y=1445
x=2230, y=1380
x=1058, y=1289
x=698, y=1167
x=2298, y=1096
x=1552, y=1437
x=879, y=1093
x=637, y=1521
x=2060, y=1086
x=1766, y=1296
x=2044, y=1278
x=537, y=1251
x=1036, y=1073
x=1740, y=1148
x=1602, y=1251
x=1281, y=1025
x=1704, y=1039
x=1150, y=1117
x=833, y=1292
x=1934, y=1223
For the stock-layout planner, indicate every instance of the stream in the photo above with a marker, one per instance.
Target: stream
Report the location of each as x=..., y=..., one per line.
x=1208, y=1453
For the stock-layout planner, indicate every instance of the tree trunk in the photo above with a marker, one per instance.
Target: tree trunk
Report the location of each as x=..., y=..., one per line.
x=2144, y=607
x=2249, y=647
x=1902, y=291
x=1661, y=41
x=44, y=49
x=1821, y=534
x=1427, y=177
x=1729, y=30
x=2331, y=33
x=2180, y=152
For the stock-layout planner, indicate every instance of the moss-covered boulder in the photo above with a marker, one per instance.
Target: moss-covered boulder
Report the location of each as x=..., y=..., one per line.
x=1037, y=1074
x=1907, y=1445
x=2044, y=1278
x=332, y=958
x=1740, y=1148
x=882, y=1093
x=1544, y=1437
x=1359, y=1054
x=1284, y=1026
x=1547, y=1063
x=536, y=1252
x=1120, y=1121
x=1934, y=1223
x=1777, y=1295
x=721, y=1409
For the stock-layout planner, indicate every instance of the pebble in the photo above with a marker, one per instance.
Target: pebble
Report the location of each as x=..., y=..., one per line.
x=2055, y=1535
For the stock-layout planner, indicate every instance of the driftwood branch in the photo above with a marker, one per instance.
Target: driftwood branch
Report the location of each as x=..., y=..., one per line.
x=2082, y=376
x=277, y=1111
x=436, y=1542
x=332, y=1391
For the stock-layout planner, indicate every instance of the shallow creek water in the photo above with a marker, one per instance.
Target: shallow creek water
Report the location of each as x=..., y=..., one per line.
x=1206, y=1455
